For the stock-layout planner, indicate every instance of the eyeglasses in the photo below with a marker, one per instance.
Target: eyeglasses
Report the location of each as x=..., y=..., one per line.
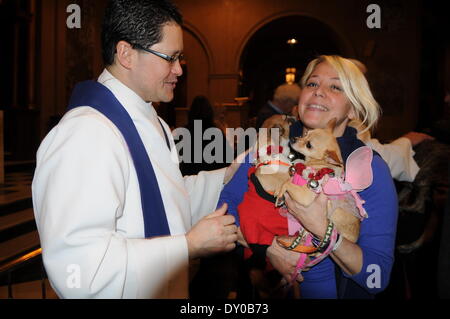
x=171, y=59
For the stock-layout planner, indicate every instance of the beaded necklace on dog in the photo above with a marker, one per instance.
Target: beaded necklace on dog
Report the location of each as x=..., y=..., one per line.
x=312, y=176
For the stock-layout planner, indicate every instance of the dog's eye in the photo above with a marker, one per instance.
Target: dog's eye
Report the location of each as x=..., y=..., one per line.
x=308, y=145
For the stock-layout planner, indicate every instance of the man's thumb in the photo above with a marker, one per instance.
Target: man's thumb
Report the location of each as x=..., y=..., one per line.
x=220, y=212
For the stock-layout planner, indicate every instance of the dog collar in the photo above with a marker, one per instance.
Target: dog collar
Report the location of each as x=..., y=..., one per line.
x=304, y=175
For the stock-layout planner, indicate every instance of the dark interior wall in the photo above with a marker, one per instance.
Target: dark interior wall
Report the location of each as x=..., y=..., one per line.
x=17, y=91
x=83, y=47
x=435, y=62
x=43, y=59
x=218, y=36
x=67, y=55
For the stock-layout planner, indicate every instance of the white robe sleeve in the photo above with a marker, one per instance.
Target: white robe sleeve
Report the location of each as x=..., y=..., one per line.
x=79, y=193
x=399, y=157
x=204, y=191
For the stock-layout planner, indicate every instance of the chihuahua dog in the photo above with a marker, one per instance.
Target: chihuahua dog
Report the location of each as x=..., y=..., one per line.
x=260, y=219
x=258, y=214
x=322, y=157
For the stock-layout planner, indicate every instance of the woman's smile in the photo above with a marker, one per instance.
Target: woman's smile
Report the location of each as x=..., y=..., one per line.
x=317, y=107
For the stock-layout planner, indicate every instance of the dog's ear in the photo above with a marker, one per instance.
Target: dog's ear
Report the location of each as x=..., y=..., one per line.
x=331, y=124
x=332, y=157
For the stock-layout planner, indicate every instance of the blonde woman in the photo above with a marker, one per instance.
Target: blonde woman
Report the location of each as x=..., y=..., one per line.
x=333, y=87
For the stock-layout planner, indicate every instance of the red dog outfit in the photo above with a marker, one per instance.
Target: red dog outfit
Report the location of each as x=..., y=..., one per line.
x=259, y=219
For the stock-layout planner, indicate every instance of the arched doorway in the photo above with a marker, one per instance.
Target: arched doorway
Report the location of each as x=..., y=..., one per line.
x=267, y=54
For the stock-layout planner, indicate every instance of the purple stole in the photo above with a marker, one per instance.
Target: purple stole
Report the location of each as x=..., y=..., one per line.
x=99, y=97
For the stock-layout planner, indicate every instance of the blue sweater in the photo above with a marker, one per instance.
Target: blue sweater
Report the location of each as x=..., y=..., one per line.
x=377, y=233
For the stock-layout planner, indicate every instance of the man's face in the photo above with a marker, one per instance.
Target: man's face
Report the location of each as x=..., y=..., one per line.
x=154, y=78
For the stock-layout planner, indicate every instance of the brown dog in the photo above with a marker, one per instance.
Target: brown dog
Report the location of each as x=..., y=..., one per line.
x=321, y=150
x=272, y=164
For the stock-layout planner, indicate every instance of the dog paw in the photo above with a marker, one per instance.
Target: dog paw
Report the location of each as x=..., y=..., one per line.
x=279, y=194
x=279, y=201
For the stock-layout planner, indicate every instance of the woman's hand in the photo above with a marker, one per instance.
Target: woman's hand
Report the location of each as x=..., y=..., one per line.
x=283, y=260
x=313, y=217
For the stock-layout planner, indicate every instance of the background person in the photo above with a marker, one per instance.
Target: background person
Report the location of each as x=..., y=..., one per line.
x=285, y=98
x=201, y=113
x=399, y=154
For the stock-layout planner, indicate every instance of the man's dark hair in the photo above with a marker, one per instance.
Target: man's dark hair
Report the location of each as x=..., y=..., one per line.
x=136, y=22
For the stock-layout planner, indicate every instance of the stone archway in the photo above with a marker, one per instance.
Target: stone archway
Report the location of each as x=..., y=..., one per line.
x=265, y=54
x=199, y=62
x=196, y=70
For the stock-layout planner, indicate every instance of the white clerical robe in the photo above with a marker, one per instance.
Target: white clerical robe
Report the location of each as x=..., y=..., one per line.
x=88, y=210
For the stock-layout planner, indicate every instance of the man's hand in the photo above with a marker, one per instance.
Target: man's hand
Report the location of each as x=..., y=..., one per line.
x=214, y=233
x=283, y=260
x=241, y=240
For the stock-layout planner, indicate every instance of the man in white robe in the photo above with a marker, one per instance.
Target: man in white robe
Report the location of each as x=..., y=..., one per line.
x=86, y=193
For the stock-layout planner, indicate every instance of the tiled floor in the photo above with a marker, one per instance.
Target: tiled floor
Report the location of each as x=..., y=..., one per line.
x=29, y=290
x=17, y=186
x=17, y=189
x=15, y=212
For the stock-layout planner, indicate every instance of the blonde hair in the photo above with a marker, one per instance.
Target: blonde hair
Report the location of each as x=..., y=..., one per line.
x=361, y=66
x=355, y=86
